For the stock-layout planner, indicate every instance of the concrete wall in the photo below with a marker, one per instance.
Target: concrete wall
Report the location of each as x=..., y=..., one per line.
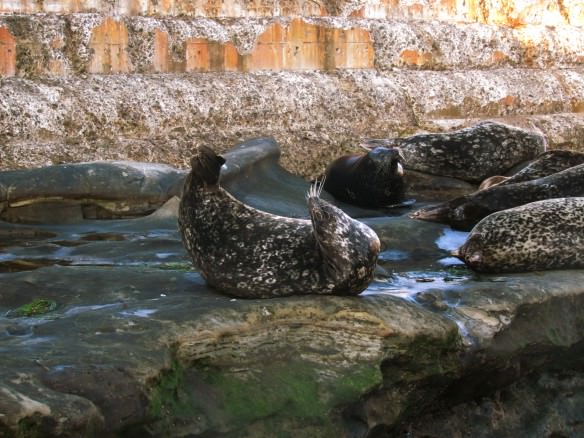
x=327, y=73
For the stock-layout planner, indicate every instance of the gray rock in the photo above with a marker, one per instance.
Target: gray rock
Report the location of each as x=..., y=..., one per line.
x=138, y=343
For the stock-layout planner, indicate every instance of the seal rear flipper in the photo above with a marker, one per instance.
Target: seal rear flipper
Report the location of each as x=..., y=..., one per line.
x=205, y=168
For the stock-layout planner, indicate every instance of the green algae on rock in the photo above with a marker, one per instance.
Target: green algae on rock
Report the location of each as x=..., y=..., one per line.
x=38, y=306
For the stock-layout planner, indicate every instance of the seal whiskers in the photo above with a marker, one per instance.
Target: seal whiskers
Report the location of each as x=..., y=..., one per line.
x=250, y=253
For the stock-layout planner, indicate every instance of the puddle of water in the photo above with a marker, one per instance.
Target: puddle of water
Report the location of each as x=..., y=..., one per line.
x=83, y=309
x=451, y=239
x=141, y=313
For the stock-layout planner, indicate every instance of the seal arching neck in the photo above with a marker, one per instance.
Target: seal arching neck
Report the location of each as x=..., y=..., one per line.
x=205, y=169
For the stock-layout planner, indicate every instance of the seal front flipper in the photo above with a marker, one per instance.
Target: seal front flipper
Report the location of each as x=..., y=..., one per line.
x=348, y=248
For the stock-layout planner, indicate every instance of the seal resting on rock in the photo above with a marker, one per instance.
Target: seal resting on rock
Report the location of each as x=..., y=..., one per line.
x=545, y=164
x=541, y=235
x=371, y=180
x=466, y=211
x=249, y=253
x=471, y=154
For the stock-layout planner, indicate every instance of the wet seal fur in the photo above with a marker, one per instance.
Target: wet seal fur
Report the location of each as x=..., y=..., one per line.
x=371, y=180
x=471, y=154
x=541, y=235
x=249, y=253
x=464, y=212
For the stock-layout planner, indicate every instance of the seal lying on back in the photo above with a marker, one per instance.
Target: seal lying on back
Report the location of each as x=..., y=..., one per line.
x=370, y=180
x=541, y=235
x=464, y=212
x=471, y=154
x=249, y=253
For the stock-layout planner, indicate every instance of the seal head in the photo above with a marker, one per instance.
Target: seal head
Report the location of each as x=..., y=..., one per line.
x=249, y=253
x=464, y=212
x=541, y=235
x=371, y=180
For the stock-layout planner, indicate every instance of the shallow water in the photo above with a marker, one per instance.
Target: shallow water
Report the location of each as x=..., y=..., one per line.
x=136, y=269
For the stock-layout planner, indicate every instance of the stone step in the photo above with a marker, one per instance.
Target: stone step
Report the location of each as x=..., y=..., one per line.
x=315, y=116
x=64, y=45
x=500, y=12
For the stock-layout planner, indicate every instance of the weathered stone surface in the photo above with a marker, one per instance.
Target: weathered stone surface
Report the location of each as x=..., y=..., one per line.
x=138, y=344
x=159, y=117
x=146, y=80
x=91, y=43
x=70, y=192
x=508, y=12
x=7, y=53
x=376, y=78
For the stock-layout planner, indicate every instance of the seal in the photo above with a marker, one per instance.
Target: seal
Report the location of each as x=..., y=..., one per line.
x=371, y=180
x=541, y=235
x=466, y=211
x=249, y=253
x=545, y=164
x=471, y=154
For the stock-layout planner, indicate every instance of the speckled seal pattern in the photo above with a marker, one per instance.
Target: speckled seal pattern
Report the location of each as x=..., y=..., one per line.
x=471, y=154
x=370, y=180
x=466, y=211
x=249, y=253
x=541, y=235
x=545, y=164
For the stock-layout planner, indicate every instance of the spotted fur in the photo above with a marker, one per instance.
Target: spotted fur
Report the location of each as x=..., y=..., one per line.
x=466, y=211
x=546, y=164
x=249, y=253
x=541, y=235
x=471, y=154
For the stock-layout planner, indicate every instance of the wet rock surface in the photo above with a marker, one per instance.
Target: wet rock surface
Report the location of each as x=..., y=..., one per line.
x=138, y=344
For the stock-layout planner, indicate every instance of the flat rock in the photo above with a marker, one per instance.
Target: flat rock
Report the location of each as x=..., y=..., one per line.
x=139, y=344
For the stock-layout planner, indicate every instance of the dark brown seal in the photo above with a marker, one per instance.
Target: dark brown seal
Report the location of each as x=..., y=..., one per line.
x=471, y=154
x=371, y=180
x=541, y=235
x=466, y=211
x=249, y=253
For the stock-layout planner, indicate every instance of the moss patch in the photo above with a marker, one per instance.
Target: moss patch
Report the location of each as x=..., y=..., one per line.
x=167, y=397
x=30, y=427
x=38, y=306
x=275, y=397
x=293, y=390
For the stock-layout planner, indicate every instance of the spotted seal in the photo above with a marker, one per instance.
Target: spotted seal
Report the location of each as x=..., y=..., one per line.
x=249, y=253
x=541, y=235
x=471, y=154
x=370, y=180
x=466, y=211
x=547, y=163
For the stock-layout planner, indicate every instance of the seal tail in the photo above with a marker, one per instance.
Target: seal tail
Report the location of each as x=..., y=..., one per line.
x=205, y=168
